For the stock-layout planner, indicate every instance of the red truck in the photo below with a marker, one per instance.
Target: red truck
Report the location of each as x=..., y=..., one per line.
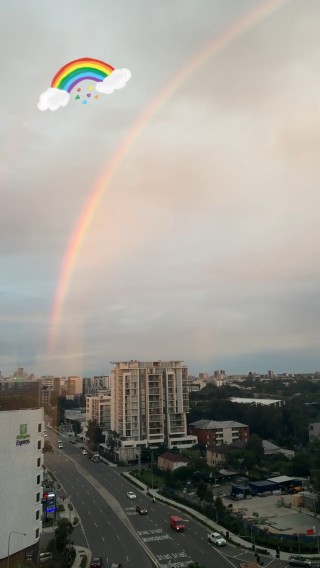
x=176, y=523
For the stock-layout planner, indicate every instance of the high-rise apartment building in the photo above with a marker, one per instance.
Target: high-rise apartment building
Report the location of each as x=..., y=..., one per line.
x=21, y=476
x=150, y=401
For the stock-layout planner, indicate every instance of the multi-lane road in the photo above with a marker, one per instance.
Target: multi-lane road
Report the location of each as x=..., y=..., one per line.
x=112, y=528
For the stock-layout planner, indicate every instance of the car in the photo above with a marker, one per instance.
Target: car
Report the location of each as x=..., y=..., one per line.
x=216, y=538
x=96, y=563
x=141, y=510
x=131, y=495
x=60, y=446
x=299, y=561
x=84, y=452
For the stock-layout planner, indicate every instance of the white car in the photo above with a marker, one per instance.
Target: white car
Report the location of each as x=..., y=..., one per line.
x=60, y=446
x=131, y=495
x=216, y=538
x=84, y=452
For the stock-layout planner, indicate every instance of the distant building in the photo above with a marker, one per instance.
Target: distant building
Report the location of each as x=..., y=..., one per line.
x=257, y=401
x=98, y=407
x=172, y=461
x=314, y=431
x=213, y=433
x=21, y=444
x=271, y=449
x=27, y=391
x=216, y=455
x=74, y=386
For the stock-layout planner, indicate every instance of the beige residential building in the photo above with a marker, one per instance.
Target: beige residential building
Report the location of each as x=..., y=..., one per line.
x=98, y=407
x=74, y=385
x=150, y=401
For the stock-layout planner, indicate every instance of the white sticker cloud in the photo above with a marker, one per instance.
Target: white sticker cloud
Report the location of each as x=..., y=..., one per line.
x=52, y=99
x=116, y=80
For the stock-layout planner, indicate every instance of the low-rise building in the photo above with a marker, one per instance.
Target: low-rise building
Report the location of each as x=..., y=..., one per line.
x=213, y=432
x=172, y=461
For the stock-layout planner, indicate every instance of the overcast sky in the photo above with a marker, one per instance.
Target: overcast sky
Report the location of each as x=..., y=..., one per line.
x=205, y=245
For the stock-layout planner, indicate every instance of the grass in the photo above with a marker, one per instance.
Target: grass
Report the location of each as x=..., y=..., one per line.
x=83, y=562
x=146, y=477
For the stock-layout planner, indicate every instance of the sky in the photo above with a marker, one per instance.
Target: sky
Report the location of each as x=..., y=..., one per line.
x=204, y=246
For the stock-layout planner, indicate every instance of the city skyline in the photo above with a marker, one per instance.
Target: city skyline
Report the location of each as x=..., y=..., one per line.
x=204, y=243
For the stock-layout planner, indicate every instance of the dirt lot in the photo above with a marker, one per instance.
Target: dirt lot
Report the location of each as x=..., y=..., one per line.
x=266, y=512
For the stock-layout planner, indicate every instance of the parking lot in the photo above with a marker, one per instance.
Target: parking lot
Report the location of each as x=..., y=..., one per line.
x=265, y=512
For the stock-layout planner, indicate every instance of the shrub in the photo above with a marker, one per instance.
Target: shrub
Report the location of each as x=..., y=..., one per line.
x=70, y=506
x=83, y=562
x=61, y=508
x=75, y=521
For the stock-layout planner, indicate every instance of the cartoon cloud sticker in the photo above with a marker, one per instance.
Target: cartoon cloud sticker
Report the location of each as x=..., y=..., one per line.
x=70, y=75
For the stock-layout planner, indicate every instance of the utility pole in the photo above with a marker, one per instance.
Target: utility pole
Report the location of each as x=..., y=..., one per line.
x=152, y=469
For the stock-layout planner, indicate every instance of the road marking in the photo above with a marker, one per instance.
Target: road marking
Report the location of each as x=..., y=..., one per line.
x=101, y=511
x=118, y=537
x=109, y=523
x=82, y=502
x=95, y=524
x=127, y=558
x=89, y=513
x=93, y=501
x=102, y=538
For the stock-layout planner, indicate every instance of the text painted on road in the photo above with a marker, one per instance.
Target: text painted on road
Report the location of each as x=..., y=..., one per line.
x=154, y=535
x=176, y=559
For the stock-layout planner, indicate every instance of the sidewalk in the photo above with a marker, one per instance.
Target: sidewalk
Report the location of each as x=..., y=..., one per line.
x=80, y=553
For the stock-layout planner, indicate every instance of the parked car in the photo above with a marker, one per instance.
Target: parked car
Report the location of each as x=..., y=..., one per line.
x=299, y=561
x=131, y=495
x=60, y=446
x=96, y=563
x=216, y=538
x=84, y=452
x=141, y=510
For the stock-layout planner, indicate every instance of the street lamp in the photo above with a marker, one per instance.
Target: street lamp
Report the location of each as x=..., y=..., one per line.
x=8, y=556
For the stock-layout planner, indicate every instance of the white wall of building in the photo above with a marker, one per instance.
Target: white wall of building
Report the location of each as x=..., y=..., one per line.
x=21, y=476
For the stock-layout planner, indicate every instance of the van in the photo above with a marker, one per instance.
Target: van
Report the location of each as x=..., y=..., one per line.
x=176, y=523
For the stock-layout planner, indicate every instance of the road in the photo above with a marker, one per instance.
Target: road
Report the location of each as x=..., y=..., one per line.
x=110, y=522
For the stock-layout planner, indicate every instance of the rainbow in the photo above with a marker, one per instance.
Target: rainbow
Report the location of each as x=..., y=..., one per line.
x=223, y=40
x=80, y=70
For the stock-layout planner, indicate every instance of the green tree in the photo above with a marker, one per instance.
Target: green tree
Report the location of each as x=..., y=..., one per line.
x=62, y=533
x=254, y=445
x=47, y=447
x=94, y=433
x=76, y=427
x=202, y=490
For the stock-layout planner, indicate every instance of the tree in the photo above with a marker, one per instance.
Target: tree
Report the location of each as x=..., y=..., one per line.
x=202, y=490
x=94, y=433
x=76, y=427
x=62, y=532
x=47, y=447
x=254, y=445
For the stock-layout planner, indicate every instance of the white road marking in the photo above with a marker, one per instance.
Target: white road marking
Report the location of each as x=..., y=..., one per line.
x=102, y=538
x=118, y=537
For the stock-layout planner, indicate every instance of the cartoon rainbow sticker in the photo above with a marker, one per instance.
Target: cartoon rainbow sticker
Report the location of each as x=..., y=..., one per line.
x=79, y=70
x=107, y=80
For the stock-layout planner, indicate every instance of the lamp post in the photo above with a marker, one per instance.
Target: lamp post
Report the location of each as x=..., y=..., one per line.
x=8, y=555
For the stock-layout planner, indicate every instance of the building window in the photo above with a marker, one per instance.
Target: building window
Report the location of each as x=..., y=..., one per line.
x=38, y=498
x=37, y=515
x=39, y=427
x=37, y=533
x=39, y=445
x=38, y=479
x=38, y=462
